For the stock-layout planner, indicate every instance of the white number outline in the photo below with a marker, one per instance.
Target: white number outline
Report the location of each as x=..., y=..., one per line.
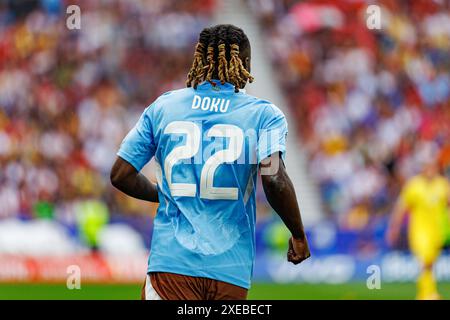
x=190, y=149
x=187, y=151
x=230, y=154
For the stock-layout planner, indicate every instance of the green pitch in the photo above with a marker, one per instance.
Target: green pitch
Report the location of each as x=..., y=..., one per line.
x=258, y=291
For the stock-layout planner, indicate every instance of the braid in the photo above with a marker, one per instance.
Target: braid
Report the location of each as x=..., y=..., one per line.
x=222, y=54
x=196, y=64
x=217, y=56
x=210, y=58
x=197, y=69
x=223, y=64
x=237, y=71
x=201, y=70
x=234, y=70
x=211, y=62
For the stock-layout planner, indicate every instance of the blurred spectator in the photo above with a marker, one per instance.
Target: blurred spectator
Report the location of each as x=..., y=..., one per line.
x=93, y=215
x=68, y=97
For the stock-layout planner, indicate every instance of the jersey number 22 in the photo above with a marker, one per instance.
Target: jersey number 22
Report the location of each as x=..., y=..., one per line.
x=190, y=149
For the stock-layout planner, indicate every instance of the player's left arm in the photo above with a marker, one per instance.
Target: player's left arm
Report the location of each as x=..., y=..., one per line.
x=280, y=194
x=131, y=182
x=395, y=222
x=276, y=183
x=400, y=210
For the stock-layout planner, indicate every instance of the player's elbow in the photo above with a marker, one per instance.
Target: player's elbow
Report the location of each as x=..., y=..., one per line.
x=122, y=174
x=115, y=178
x=274, y=184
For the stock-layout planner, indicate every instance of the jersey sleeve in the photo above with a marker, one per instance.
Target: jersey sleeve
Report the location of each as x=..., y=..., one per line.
x=138, y=147
x=273, y=133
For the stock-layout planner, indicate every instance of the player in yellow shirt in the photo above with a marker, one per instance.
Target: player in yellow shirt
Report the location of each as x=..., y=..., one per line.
x=425, y=197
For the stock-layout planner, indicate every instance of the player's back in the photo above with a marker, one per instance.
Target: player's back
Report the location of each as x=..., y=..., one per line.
x=207, y=143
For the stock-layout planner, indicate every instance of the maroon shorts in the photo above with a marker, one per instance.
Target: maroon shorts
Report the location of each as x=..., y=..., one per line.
x=172, y=286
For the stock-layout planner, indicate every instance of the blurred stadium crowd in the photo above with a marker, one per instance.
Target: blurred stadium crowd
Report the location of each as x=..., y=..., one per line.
x=370, y=104
x=68, y=97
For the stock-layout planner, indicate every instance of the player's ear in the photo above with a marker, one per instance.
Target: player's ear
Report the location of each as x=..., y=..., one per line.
x=245, y=55
x=247, y=63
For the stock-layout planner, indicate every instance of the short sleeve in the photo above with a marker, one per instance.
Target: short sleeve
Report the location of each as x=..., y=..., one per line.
x=138, y=147
x=273, y=133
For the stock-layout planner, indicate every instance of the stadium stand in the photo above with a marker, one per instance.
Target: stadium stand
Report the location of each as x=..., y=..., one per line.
x=369, y=103
x=68, y=97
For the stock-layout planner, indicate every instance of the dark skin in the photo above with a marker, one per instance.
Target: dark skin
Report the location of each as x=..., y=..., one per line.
x=277, y=186
x=245, y=57
x=280, y=194
x=131, y=182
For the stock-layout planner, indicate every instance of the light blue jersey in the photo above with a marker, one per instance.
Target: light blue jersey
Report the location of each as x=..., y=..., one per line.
x=207, y=144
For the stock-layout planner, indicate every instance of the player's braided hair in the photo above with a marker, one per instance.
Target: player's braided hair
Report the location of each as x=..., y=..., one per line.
x=216, y=56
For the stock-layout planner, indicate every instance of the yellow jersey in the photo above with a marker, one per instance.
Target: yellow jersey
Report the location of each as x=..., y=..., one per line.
x=426, y=200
